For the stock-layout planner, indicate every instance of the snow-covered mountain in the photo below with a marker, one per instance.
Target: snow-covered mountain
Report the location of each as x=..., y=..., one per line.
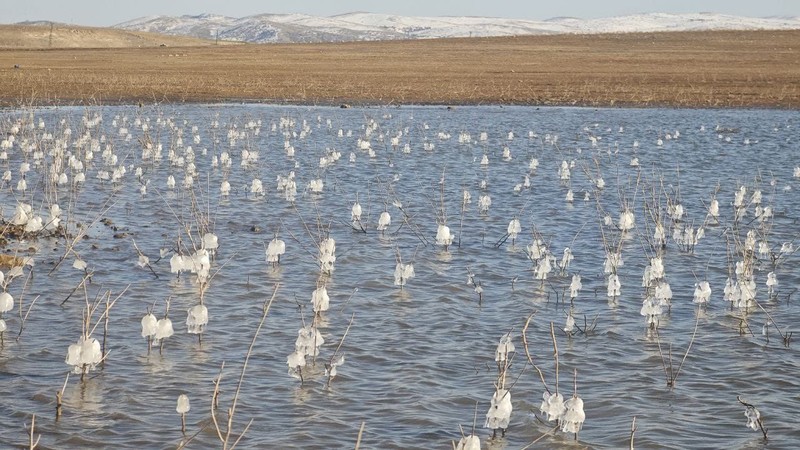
x=362, y=26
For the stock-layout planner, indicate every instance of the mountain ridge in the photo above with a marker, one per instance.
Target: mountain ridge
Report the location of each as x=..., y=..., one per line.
x=365, y=26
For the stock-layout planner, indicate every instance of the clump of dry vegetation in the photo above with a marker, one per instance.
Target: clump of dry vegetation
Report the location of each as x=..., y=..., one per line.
x=11, y=232
x=686, y=69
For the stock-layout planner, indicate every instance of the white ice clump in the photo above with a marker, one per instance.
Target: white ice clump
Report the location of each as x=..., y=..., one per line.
x=627, y=221
x=443, y=236
x=149, y=325
x=307, y=343
x=384, y=221
x=575, y=286
x=469, y=443
x=772, y=283
x=6, y=302
x=182, y=406
x=197, y=319
x=499, y=413
x=86, y=354
x=504, y=349
x=573, y=418
x=753, y=416
x=514, y=228
x=320, y=301
x=163, y=329
x=275, y=249
x=403, y=273
x=355, y=213
x=22, y=214
x=569, y=326
x=613, y=285
x=702, y=292
x=210, y=241
x=330, y=371
x=553, y=406
x=327, y=255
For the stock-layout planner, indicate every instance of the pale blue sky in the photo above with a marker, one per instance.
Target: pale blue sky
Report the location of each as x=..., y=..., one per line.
x=110, y=12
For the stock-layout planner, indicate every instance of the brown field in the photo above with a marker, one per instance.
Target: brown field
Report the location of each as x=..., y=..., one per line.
x=73, y=36
x=687, y=69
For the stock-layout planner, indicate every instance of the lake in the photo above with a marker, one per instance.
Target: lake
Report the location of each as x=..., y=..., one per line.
x=418, y=358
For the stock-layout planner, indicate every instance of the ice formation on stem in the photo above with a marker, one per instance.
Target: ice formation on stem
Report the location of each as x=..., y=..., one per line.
x=444, y=237
x=499, y=414
x=275, y=249
x=702, y=292
x=197, y=319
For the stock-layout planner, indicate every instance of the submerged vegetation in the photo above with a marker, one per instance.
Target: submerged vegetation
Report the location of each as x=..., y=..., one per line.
x=283, y=283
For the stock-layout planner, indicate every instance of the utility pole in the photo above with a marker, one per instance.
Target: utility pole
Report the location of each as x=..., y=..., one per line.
x=50, y=39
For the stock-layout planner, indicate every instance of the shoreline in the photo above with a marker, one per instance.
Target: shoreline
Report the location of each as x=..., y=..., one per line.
x=8, y=105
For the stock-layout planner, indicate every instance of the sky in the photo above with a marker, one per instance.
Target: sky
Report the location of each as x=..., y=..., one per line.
x=111, y=12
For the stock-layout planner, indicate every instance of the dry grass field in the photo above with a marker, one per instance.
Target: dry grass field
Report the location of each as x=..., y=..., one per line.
x=687, y=69
x=73, y=36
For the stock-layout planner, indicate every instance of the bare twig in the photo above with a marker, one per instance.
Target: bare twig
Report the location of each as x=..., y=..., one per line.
x=360, y=434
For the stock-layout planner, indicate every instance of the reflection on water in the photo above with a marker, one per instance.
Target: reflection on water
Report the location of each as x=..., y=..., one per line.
x=420, y=357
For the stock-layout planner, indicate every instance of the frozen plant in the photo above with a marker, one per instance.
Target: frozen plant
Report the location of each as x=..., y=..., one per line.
x=651, y=310
x=702, y=292
x=330, y=369
x=149, y=328
x=663, y=294
x=403, y=273
x=275, y=249
x=613, y=286
x=627, y=221
x=197, y=319
x=182, y=408
x=612, y=262
x=164, y=328
x=514, y=228
x=536, y=250
x=444, y=237
x=355, y=214
x=384, y=220
x=575, y=286
x=308, y=342
x=471, y=442
x=563, y=171
x=6, y=302
x=772, y=283
x=566, y=259
x=327, y=255
x=753, y=416
x=466, y=198
x=573, y=418
x=85, y=355
x=553, y=406
x=499, y=414
x=543, y=266
x=569, y=326
x=320, y=301
x=484, y=202
x=504, y=350
x=256, y=187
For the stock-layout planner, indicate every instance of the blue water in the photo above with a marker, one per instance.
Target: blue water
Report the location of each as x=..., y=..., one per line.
x=417, y=359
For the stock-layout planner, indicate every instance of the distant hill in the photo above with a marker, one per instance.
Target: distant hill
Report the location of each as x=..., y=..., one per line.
x=362, y=26
x=41, y=35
